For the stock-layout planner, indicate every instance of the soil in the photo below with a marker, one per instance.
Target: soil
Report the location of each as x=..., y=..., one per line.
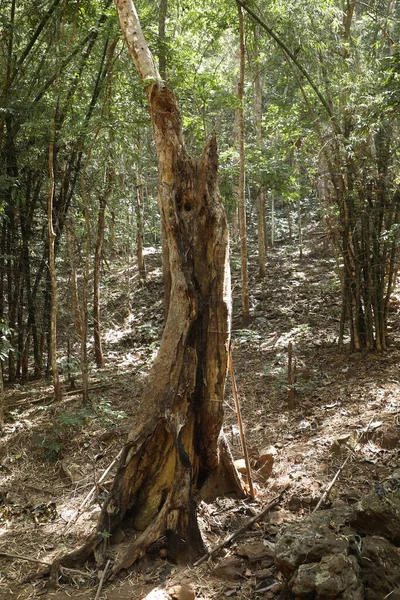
x=346, y=409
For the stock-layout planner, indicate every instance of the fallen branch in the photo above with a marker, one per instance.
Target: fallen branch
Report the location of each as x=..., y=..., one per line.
x=50, y=396
x=328, y=490
x=242, y=529
x=330, y=486
x=101, y=582
x=90, y=495
x=26, y=558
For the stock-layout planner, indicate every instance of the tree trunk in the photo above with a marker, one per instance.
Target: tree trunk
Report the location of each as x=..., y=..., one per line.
x=52, y=266
x=175, y=457
x=272, y=218
x=242, y=196
x=259, y=140
x=162, y=44
x=98, y=350
x=139, y=229
x=84, y=294
x=162, y=63
x=73, y=279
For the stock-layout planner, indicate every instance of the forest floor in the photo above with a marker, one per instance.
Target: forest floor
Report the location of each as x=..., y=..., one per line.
x=347, y=407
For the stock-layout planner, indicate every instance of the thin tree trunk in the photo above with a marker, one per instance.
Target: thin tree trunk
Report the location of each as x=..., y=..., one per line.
x=98, y=350
x=139, y=230
x=242, y=198
x=162, y=62
x=2, y=398
x=259, y=139
x=235, y=182
x=84, y=296
x=52, y=265
x=272, y=218
x=101, y=219
x=72, y=279
x=162, y=48
x=300, y=228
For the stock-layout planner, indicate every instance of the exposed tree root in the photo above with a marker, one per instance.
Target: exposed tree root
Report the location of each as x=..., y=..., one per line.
x=172, y=524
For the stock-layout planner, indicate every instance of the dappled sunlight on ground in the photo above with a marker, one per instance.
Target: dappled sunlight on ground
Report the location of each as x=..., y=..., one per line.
x=347, y=405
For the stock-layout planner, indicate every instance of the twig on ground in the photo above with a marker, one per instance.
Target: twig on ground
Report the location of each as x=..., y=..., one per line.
x=101, y=582
x=330, y=486
x=67, y=570
x=89, y=496
x=50, y=396
x=26, y=558
x=244, y=527
x=328, y=490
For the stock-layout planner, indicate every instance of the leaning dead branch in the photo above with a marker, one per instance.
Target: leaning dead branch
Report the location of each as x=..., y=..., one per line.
x=101, y=582
x=240, y=424
x=90, y=495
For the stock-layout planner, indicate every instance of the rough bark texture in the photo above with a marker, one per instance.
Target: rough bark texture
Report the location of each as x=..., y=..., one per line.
x=175, y=456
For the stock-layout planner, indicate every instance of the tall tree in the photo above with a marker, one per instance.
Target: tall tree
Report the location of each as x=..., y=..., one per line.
x=176, y=456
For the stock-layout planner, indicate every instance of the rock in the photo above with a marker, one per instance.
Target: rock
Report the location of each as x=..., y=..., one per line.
x=303, y=375
x=157, y=594
x=308, y=404
x=94, y=514
x=380, y=563
x=276, y=517
x=262, y=574
x=240, y=465
x=378, y=513
x=182, y=592
x=230, y=592
x=338, y=503
x=295, y=503
x=327, y=557
x=308, y=542
x=352, y=495
x=335, y=576
x=265, y=461
x=255, y=551
x=229, y=569
x=390, y=438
